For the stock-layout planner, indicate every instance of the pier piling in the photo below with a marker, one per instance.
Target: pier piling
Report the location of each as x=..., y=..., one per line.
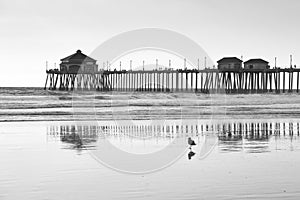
x=204, y=81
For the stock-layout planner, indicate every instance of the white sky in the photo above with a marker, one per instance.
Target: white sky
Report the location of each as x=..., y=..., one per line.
x=34, y=31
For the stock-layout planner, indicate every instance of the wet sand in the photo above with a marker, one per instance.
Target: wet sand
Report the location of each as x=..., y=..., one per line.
x=44, y=160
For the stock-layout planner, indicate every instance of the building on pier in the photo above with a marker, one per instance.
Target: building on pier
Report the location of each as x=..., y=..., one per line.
x=230, y=63
x=80, y=72
x=78, y=62
x=256, y=64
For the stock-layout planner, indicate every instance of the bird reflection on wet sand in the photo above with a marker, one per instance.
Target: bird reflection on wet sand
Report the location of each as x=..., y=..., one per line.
x=191, y=154
x=191, y=143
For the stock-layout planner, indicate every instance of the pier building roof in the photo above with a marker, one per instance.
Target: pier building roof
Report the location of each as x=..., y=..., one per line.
x=229, y=60
x=256, y=60
x=77, y=57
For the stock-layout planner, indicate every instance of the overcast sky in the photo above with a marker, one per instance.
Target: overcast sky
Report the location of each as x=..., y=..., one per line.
x=34, y=31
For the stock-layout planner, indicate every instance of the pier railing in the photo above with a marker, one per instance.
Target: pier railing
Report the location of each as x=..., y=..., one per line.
x=189, y=80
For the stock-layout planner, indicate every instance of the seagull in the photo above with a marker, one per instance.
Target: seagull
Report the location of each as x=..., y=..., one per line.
x=191, y=142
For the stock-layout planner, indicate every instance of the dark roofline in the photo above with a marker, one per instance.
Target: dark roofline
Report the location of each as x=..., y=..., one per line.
x=229, y=59
x=78, y=52
x=256, y=60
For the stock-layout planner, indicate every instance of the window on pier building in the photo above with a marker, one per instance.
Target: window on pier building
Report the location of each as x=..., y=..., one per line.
x=74, y=68
x=63, y=68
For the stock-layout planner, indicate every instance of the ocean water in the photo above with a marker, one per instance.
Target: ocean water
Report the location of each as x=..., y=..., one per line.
x=52, y=145
x=35, y=104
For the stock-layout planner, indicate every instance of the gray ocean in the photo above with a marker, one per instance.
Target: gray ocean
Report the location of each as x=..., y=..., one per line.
x=61, y=144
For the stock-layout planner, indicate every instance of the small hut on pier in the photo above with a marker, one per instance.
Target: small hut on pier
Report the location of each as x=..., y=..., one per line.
x=256, y=64
x=78, y=63
x=230, y=63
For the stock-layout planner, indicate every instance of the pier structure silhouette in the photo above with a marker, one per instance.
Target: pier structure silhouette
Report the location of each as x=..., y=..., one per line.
x=187, y=80
x=81, y=72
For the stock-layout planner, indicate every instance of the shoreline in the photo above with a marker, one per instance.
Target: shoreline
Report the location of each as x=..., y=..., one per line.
x=214, y=121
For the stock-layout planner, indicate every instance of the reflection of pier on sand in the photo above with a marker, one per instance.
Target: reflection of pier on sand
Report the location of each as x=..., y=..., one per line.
x=251, y=137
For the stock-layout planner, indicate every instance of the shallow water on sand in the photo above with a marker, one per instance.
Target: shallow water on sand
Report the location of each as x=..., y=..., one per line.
x=34, y=104
x=251, y=159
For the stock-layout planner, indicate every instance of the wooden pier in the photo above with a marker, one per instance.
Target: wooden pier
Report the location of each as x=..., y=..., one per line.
x=203, y=81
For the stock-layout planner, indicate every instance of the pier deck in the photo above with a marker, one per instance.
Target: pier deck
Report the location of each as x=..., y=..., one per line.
x=190, y=80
